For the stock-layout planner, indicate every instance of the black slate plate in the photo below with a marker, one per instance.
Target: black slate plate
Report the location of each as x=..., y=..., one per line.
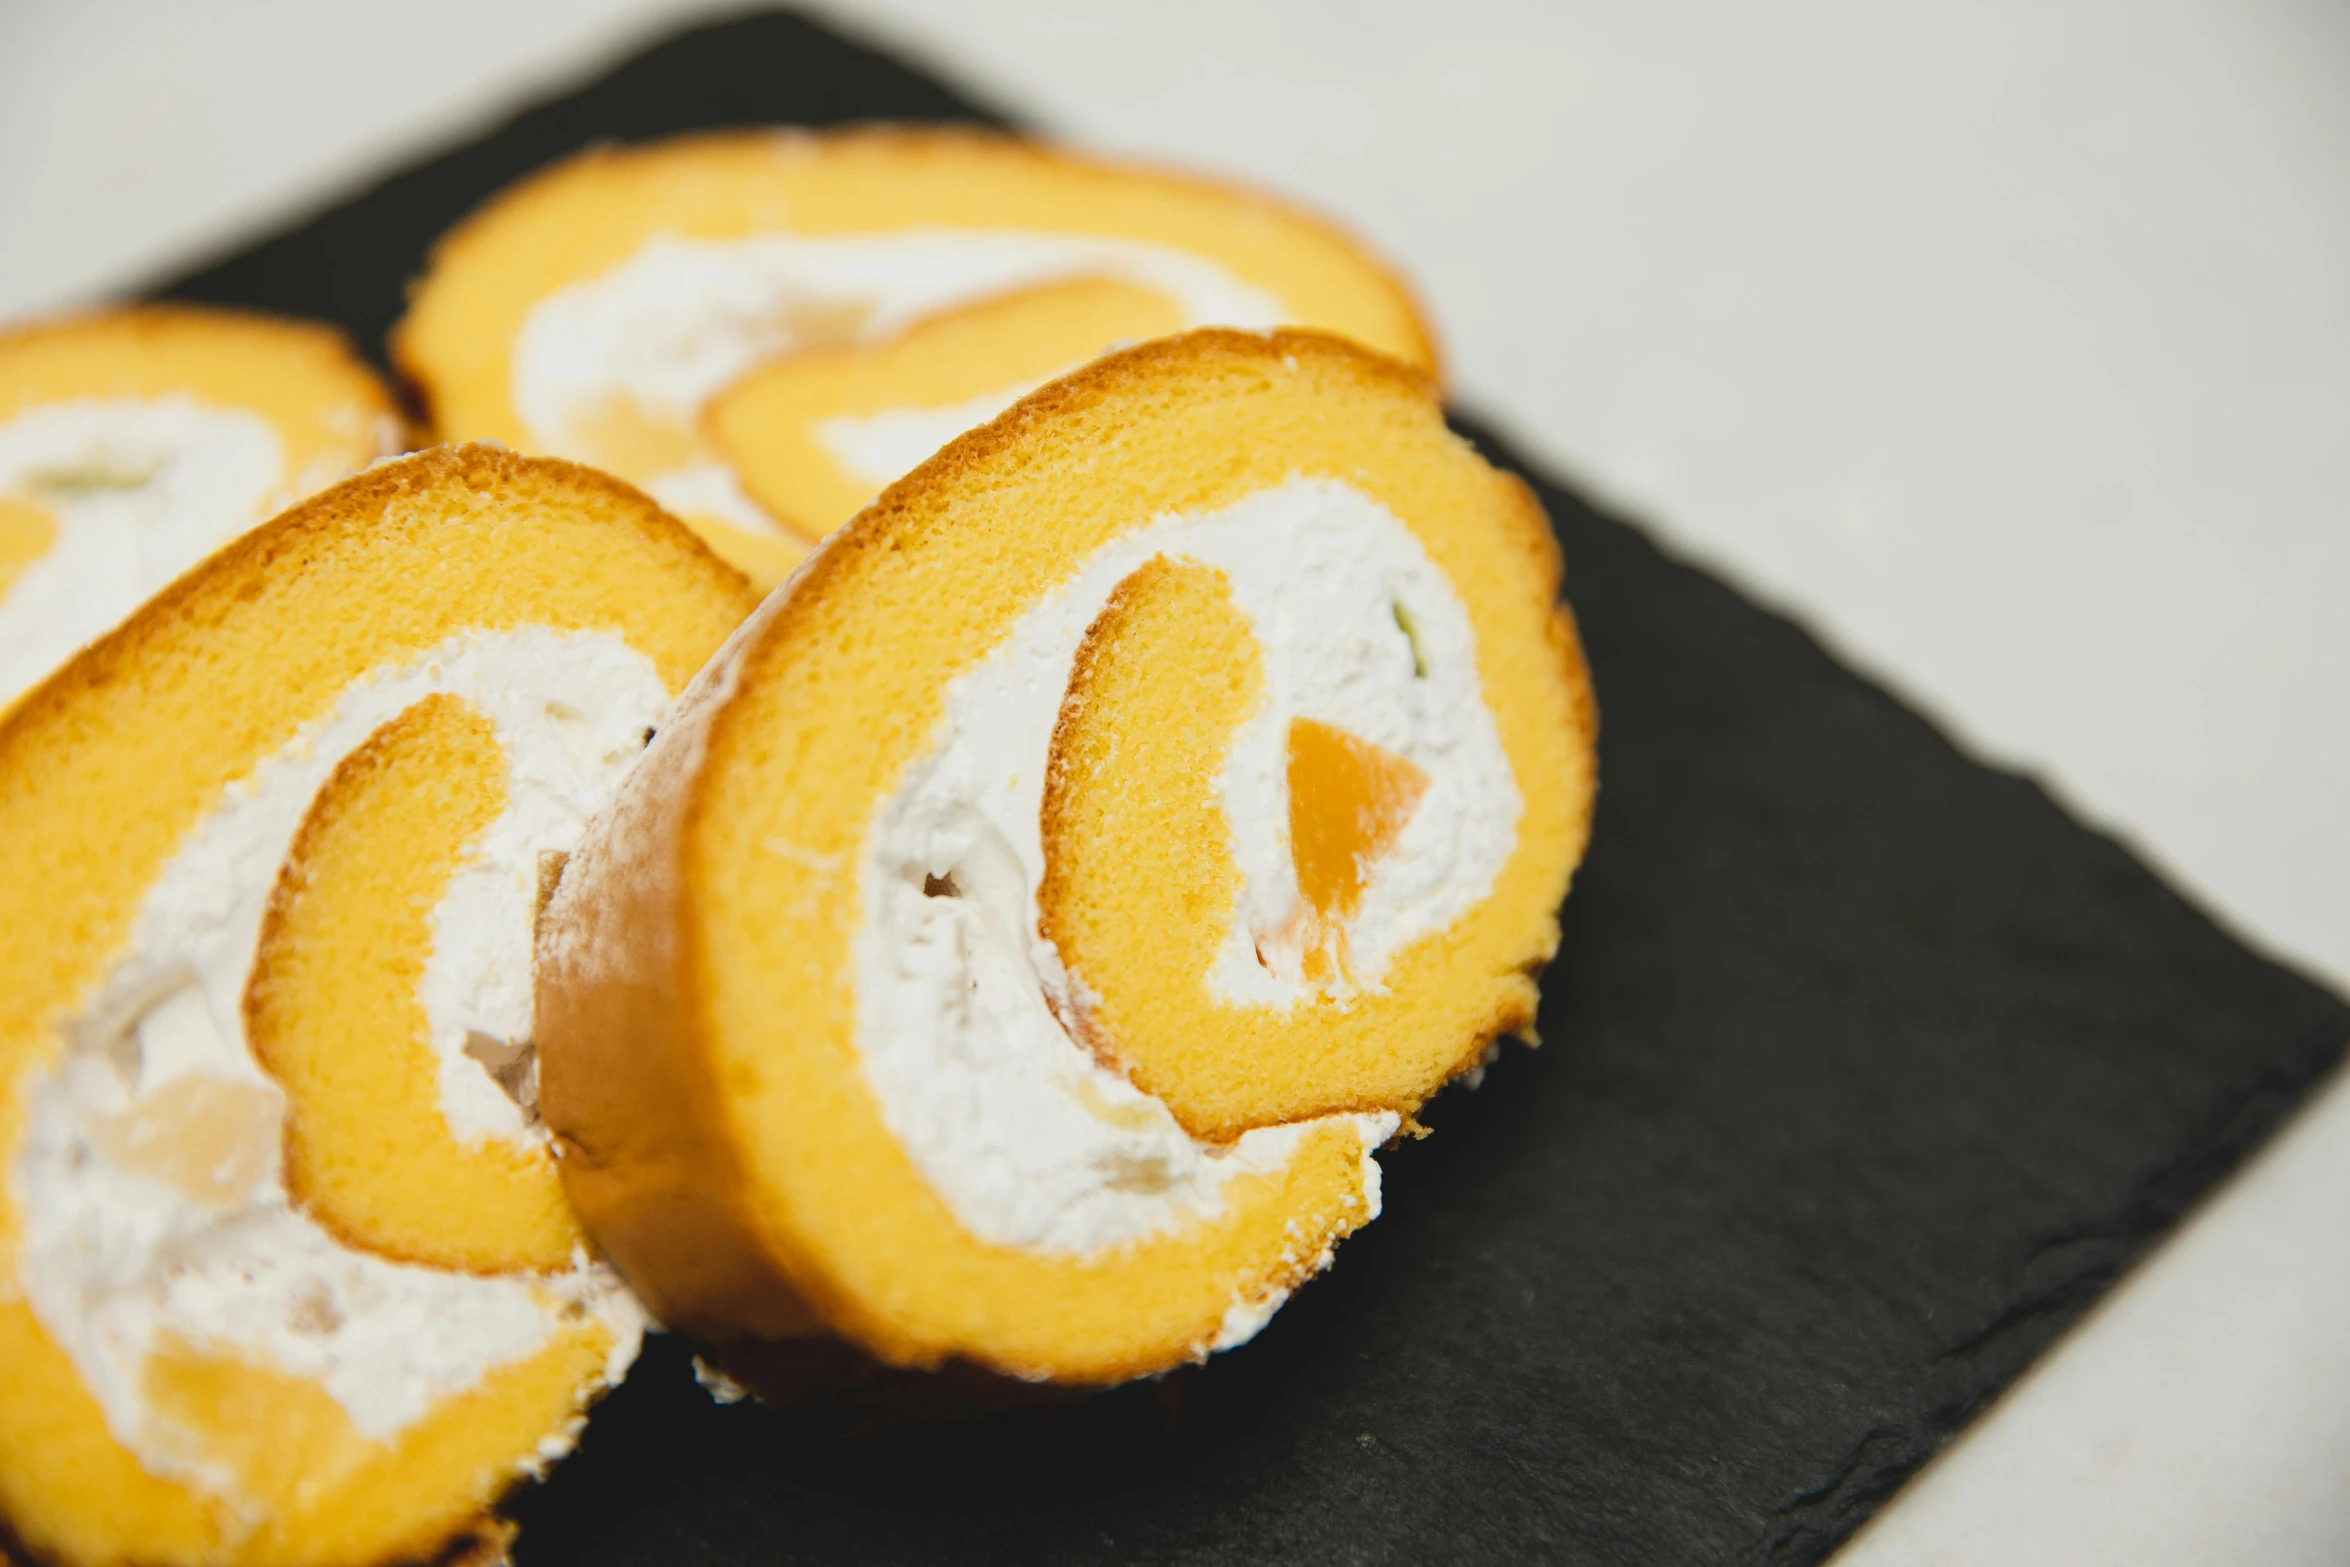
x=1867, y=1071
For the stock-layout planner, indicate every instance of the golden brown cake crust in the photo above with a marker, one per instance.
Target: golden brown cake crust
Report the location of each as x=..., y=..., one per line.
x=326, y=415
x=626, y=1079
x=464, y=340
x=328, y=348
x=914, y=500
x=654, y=1160
x=471, y=490
x=170, y=316
x=362, y=498
x=902, y=140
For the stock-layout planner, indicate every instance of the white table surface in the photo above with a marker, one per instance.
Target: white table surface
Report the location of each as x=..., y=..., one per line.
x=2006, y=344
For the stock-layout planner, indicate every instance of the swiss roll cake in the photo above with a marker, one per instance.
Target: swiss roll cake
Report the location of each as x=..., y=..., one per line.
x=286, y=1270
x=765, y=328
x=136, y=441
x=1019, y=944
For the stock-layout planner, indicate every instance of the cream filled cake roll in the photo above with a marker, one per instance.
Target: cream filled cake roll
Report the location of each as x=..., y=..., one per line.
x=1023, y=938
x=286, y=1273
x=764, y=328
x=136, y=441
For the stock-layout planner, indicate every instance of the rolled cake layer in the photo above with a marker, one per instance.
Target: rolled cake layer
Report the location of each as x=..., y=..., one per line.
x=765, y=328
x=134, y=442
x=1025, y=933
x=286, y=1274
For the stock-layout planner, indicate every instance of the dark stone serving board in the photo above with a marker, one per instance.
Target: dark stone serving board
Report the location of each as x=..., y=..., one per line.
x=1866, y=1071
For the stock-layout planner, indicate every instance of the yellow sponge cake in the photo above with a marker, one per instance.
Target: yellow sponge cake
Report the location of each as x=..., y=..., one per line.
x=134, y=442
x=286, y=1275
x=814, y=435
x=764, y=328
x=1021, y=939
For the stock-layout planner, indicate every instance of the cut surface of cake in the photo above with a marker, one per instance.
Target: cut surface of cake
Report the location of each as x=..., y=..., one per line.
x=764, y=328
x=1023, y=936
x=136, y=441
x=286, y=1275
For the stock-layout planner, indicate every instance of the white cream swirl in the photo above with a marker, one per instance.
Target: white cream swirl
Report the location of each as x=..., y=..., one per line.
x=110, y=1259
x=681, y=319
x=1027, y=1137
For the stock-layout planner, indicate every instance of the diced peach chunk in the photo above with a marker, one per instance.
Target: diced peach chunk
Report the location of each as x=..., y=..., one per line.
x=1348, y=799
x=209, y=1138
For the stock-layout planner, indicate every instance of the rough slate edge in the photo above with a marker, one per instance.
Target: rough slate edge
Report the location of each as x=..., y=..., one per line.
x=2056, y=1272
x=1784, y=1463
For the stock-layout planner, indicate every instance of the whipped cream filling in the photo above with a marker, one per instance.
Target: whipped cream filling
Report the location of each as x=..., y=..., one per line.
x=140, y=491
x=1031, y=1141
x=884, y=447
x=111, y=1259
x=682, y=319
x=707, y=487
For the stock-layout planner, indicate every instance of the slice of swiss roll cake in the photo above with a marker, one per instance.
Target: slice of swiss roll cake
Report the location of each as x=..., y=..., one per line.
x=764, y=328
x=286, y=1273
x=134, y=442
x=1025, y=933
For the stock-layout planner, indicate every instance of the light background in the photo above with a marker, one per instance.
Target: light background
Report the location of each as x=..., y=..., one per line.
x=2006, y=344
